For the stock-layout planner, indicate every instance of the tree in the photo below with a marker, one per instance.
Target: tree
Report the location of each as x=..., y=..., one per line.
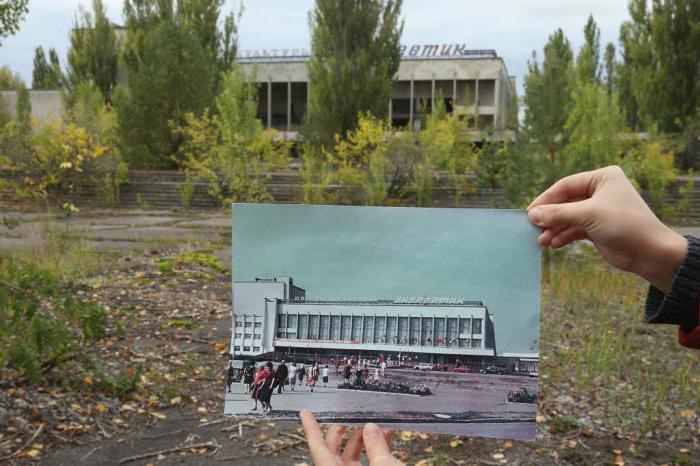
x=92, y=56
x=173, y=76
x=8, y=79
x=587, y=61
x=548, y=94
x=610, y=69
x=199, y=17
x=12, y=13
x=47, y=74
x=661, y=54
x=355, y=53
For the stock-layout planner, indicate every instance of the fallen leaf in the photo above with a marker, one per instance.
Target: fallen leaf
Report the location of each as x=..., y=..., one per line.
x=428, y=450
x=176, y=400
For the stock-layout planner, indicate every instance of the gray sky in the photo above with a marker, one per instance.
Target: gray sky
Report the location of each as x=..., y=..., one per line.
x=514, y=28
x=342, y=252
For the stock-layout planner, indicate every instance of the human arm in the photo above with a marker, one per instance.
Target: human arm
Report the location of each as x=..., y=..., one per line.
x=603, y=206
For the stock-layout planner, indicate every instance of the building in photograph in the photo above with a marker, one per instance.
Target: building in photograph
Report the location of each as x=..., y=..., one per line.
x=473, y=83
x=272, y=318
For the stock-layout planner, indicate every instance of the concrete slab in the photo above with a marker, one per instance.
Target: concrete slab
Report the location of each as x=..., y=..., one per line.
x=213, y=222
x=156, y=233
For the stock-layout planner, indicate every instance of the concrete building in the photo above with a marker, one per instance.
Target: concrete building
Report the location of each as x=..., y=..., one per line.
x=273, y=317
x=46, y=104
x=473, y=83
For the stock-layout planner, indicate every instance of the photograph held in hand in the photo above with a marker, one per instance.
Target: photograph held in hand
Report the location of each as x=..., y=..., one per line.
x=410, y=318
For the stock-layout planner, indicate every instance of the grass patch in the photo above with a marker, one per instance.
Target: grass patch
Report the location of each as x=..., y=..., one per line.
x=203, y=258
x=188, y=324
x=596, y=348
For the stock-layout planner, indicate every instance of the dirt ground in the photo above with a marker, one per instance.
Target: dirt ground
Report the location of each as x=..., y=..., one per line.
x=170, y=327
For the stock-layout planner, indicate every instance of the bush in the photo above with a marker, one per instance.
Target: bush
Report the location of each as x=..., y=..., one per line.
x=59, y=157
x=42, y=327
x=387, y=387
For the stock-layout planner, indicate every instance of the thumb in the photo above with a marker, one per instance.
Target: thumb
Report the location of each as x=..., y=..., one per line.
x=377, y=449
x=552, y=215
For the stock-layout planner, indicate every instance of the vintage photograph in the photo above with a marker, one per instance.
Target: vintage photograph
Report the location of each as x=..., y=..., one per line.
x=413, y=318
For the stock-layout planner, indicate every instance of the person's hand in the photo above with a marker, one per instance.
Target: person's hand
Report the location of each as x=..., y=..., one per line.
x=603, y=206
x=326, y=451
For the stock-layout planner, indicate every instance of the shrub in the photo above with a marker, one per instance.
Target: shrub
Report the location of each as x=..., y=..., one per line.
x=41, y=327
x=387, y=387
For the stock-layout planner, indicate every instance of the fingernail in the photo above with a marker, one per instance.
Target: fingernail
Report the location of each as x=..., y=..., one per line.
x=535, y=215
x=372, y=429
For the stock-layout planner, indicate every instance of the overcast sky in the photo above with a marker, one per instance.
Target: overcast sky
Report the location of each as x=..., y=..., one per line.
x=514, y=28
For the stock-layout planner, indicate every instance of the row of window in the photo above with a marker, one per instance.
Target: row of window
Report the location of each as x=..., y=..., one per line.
x=439, y=331
x=237, y=349
x=255, y=336
x=239, y=324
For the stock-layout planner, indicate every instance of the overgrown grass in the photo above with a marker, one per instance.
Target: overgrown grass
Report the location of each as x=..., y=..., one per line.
x=62, y=250
x=204, y=258
x=619, y=371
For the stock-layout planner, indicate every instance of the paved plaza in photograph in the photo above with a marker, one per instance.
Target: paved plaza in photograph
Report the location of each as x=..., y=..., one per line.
x=465, y=404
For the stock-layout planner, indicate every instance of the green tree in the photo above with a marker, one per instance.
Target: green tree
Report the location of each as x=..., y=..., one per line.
x=355, y=53
x=92, y=56
x=610, y=69
x=548, y=95
x=587, y=61
x=8, y=79
x=199, y=17
x=47, y=74
x=12, y=12
x=173, y=76
x=661, y=54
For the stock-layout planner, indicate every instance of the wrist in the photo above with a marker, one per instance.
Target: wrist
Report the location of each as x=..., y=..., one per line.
x=662, y=259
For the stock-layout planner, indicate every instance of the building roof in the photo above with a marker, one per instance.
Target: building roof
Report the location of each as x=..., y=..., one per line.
x=384, y=302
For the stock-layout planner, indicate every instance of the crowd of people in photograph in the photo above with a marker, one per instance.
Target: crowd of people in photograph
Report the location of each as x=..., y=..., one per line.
x=262, y=380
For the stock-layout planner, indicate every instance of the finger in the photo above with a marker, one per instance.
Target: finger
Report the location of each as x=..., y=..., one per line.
x=376, y=446
x=387, y=436
x=353, y=447
x=317, y=444
x=568, y=236
x=580, y=185
x=334, y=438
x=551, y=215
x=549, y=233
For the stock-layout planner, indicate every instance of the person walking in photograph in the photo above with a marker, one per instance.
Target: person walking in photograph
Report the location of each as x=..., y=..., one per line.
x=347, y=373
x=257, y=385
x=229, y=376
x=313, y=377
x=281, y=377
x=301, y=374
x=266, y=388
x=292, y=377
x=248, y=378
x=324, y=374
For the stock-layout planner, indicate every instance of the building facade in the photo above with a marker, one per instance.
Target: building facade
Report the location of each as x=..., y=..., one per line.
x=273, y=317
x=472, y=83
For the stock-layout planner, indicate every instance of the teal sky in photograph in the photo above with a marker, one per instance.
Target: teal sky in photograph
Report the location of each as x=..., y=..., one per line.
x=350, y=252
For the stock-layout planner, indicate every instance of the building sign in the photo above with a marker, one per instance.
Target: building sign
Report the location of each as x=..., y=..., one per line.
x=433, y=50
x=410, y=51
x=274, y=53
